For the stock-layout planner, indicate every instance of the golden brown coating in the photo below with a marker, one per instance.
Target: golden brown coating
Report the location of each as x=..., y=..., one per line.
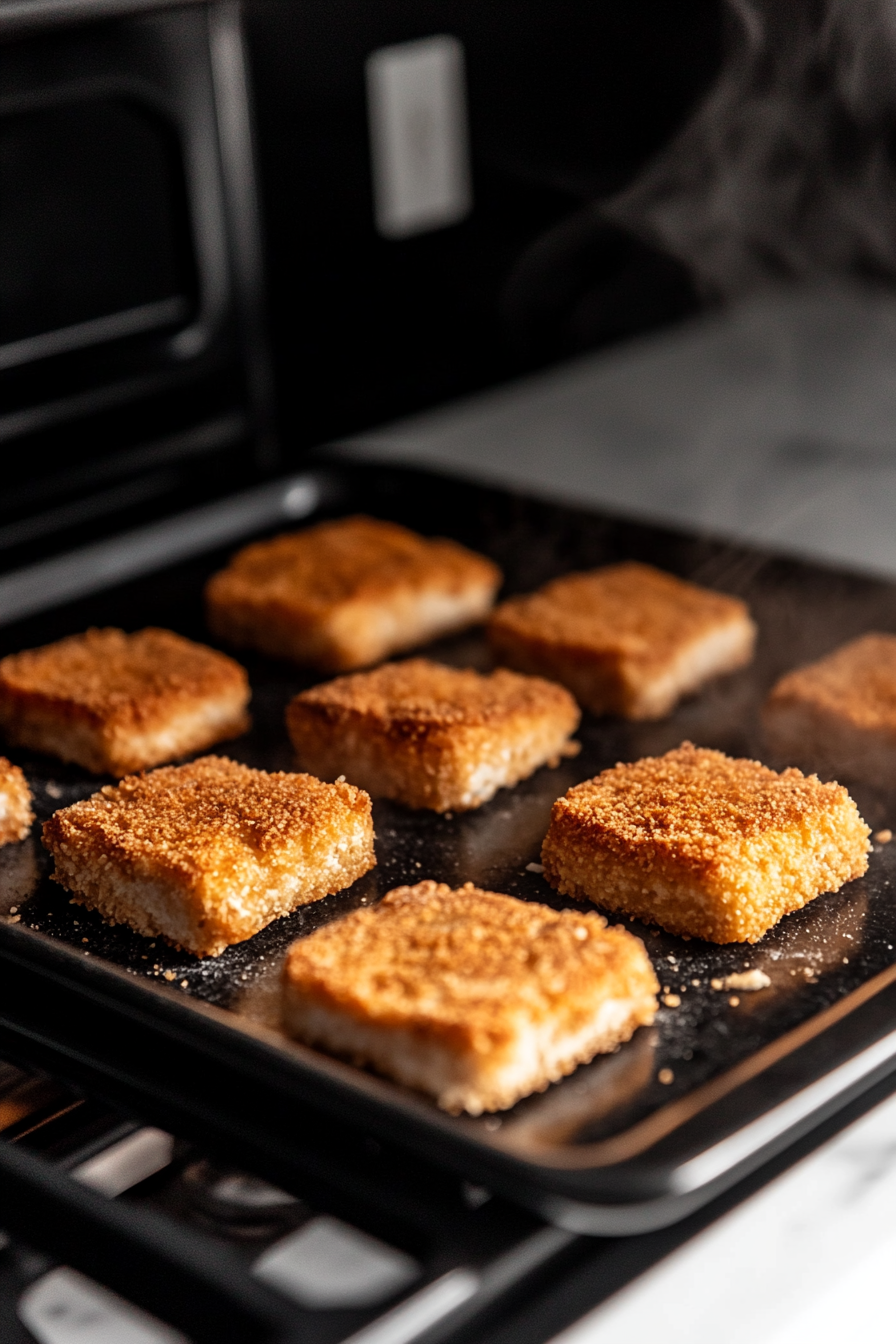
x=432, y=736
x=839, y=714
x=627, y=639
x=346, y=594
x=16, y=815
x=703, y=844
x=471, y=996
x=117, y=703
x=206, y=854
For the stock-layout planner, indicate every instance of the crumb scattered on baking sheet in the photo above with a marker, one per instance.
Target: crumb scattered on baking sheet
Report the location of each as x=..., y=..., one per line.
x=671, y=1000
x=169, y=975
x=882, y=837
x=183, y=984
x=734, y=1001
x=534, y=867
x=749, y=981
x=666, y=1076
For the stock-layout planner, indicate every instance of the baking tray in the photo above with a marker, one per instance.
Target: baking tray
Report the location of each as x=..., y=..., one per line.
x=615, y=1148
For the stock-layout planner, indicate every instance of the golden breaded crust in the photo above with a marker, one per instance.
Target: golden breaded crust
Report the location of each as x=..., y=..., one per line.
x=474, y=996
x=16, y=815
x=115, y=702
x=704, y=844
x=348, y=593
x=429, y=735
x=626, y=639
x=839, y=713
x=206, y=854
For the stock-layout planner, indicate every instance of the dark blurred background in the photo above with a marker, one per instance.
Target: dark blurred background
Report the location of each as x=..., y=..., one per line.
x=567, y=101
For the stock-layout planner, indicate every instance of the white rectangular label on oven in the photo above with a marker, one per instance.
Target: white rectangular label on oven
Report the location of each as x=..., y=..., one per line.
x=416, y=100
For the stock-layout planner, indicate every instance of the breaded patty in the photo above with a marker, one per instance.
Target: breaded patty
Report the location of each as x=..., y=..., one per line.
x=703, y=844
x=117, y=703
x=474, y=997
x=346, y=594
x=839, y=715
x=206, y=854
x=432, y=736
x=15, y=803
x=627, y=639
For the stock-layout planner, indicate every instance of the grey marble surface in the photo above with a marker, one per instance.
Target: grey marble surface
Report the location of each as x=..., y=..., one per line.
x=773, y=423
x=807, y=1260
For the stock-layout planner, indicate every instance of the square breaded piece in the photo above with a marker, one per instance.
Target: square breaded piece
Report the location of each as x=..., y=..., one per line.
x=15, y=803
x=703, y=844
x=347, y=594
x=206, y=854
x=117, y=703
x=474, y=997
x=839, y=714
x=432, y=736
x=627, y=639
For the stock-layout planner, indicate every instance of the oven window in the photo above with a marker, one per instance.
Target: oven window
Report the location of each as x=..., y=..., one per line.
x=94, y=228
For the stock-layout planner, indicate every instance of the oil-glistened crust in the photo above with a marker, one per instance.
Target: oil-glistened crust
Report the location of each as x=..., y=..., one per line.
x=703, y=844
x=16, y=815
x=206, y=854
x=116, y=703
x=627, y=639
x=838, y=715
x=432, y=736
x=474, y=997
x=346, y=594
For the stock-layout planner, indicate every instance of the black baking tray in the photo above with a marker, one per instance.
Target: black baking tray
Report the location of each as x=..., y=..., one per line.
x=616, y=1147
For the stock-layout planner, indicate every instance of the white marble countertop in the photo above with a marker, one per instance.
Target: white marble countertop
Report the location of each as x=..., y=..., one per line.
x=774, y=423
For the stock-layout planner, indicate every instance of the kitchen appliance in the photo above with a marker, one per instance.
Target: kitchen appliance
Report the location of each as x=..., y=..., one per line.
x=134, y=376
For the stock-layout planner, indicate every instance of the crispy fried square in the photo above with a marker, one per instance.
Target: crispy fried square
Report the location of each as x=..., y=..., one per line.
x=432, y=736
x=15, y=803
x=627, y=639
x=703, y=844
x=206, y=854
x=346, y=594
x=116, y=703
x=474, y=997
x=838, y=715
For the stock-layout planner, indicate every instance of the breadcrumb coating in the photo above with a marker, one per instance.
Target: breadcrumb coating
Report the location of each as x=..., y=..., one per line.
x=704, y=844
x=840, y=713
x=116, y=703
x=474, y=996
x=429, y=735
x=626, y=639
x=208, y=853
x=16, y=815
x=345, y=594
